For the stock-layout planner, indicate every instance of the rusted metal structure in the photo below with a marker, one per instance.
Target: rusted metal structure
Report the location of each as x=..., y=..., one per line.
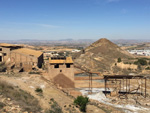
x=123, y=84
x=90, y=82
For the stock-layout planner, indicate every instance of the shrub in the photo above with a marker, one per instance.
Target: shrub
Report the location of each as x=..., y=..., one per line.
x=119, y=59
x=141, y=62
x=129, y=69
x=147, y=68
x=33, y=72
x=55, y=108
x=126, y=62
x=82, y=102
x=39, y=90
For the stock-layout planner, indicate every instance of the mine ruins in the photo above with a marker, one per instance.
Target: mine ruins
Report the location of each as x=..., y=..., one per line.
x=78, y=76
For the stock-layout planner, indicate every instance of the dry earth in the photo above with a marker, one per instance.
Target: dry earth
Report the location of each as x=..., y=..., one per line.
x=29, y=83
x=51, y=94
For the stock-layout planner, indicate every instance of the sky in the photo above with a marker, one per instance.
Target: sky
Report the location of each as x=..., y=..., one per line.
x=74, y=19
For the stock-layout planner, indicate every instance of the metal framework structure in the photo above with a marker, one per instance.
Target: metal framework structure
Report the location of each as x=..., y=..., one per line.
x=122, y=82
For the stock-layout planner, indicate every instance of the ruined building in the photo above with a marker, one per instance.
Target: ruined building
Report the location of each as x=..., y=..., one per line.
x=5, y=50
x=27, y=58
x=22, y=58
x=61, y=71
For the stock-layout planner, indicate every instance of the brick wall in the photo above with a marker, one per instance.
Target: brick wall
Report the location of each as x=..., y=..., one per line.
x=67, y=72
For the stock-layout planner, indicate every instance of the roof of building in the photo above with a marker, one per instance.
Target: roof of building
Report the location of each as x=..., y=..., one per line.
x=8, y=45
x=28, y=52
x=61, y=61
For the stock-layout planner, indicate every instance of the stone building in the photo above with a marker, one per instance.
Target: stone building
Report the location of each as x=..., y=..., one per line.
x=61, y=71
x=22, y=58
x=5, y=50
x=27, y=58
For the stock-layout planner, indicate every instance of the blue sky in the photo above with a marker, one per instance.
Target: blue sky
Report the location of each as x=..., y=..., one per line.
x=76, y=19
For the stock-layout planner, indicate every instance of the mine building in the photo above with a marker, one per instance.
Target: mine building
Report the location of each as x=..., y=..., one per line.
x=5, y=50
x=23, y=58
x=61, y=71
x=26, y=58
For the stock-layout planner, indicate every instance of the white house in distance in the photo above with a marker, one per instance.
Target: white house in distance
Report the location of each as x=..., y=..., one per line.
x=140, y=52
x=75, y=50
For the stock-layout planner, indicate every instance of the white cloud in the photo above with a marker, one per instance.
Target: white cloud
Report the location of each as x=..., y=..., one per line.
x=37, y=24
x=48, y=25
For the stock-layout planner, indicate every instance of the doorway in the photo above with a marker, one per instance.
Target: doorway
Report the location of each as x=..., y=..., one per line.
x=0, y=58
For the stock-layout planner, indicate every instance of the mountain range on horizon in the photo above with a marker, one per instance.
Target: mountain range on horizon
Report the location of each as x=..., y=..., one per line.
x=72, y=42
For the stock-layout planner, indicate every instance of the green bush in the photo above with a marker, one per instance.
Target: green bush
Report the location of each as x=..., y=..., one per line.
x=129, y=69
x=39, y=90
x=82, y=102
x=141, y=62
x=147, y=68
x=55, y=108
x=119, y=59
x=32, y=72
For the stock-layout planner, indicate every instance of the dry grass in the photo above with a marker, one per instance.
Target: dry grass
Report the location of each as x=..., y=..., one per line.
x=55, y=108
x=24, y=99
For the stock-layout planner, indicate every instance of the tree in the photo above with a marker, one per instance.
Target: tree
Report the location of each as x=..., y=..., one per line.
x=141, y=62
x=119, y=59
x=82, y=102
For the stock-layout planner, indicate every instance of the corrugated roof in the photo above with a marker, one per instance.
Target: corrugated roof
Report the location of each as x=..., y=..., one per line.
x=57, y=61
x=27, y=51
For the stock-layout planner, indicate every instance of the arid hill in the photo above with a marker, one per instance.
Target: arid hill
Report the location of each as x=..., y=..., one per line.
x=101, y=56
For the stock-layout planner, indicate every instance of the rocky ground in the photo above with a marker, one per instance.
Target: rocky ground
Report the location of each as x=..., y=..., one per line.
x=9, y=106
x=29, y=83
x=51, y=100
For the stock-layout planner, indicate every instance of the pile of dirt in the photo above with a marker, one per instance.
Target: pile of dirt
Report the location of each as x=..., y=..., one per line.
x=101, y=56
x=63, y=81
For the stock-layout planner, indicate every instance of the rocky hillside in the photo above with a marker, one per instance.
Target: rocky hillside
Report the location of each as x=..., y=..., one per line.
x=101, y=56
